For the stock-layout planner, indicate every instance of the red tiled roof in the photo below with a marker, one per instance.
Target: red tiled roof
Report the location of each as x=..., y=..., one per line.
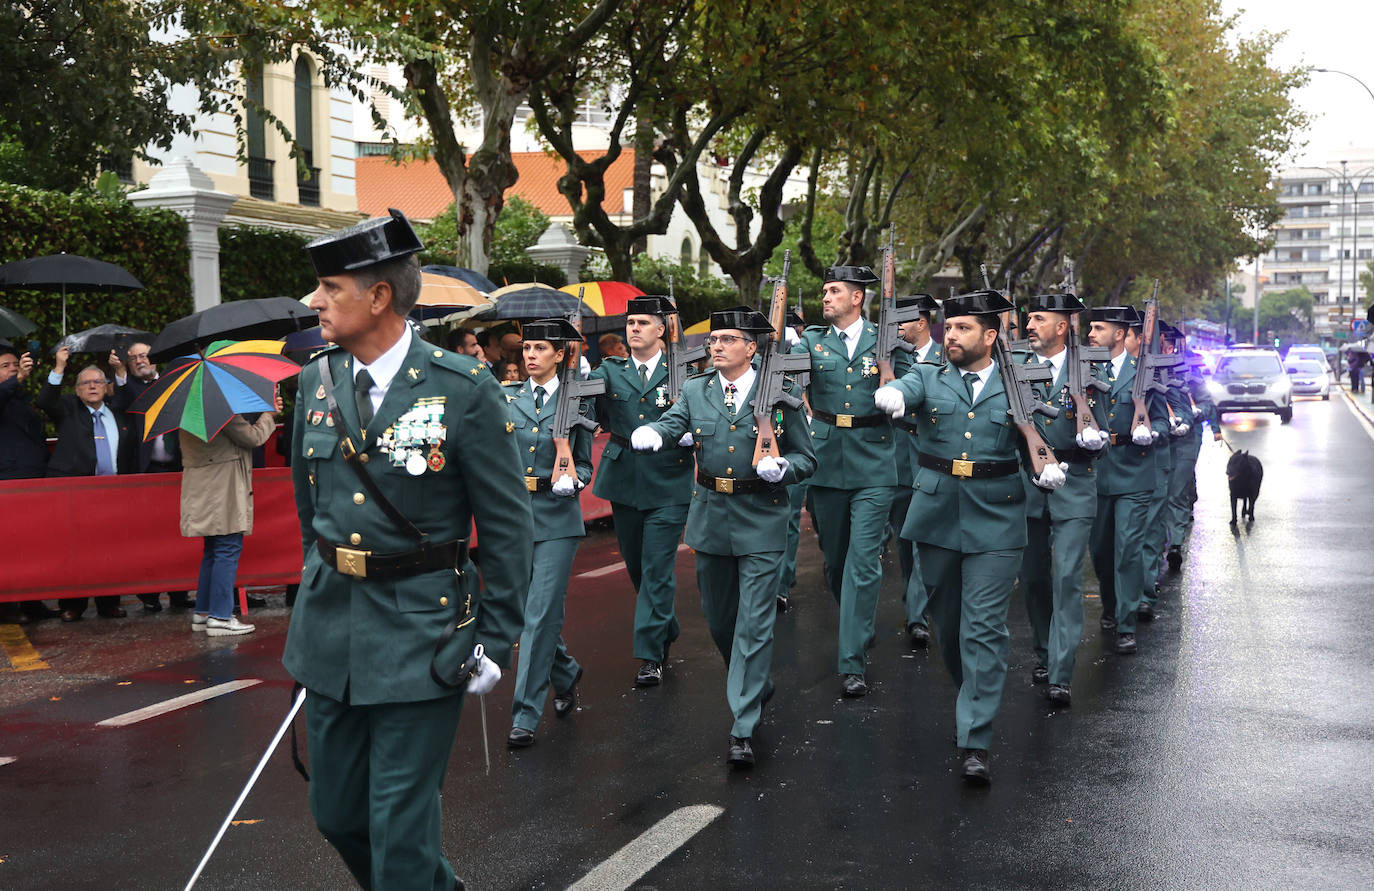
x=418, y=188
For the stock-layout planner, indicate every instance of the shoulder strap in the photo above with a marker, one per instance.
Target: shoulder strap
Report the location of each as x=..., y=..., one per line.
x=350, y=454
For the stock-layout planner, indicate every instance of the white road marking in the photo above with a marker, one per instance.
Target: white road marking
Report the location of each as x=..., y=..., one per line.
x=1359, y=415
x=177, y=702
x=6, y=759
x=612, y=568
x=628, y=865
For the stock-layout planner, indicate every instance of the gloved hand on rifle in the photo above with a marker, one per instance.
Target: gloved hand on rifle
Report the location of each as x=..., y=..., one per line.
x=686, y=441
x=1142, y=435
x=1092, y=439
x=646, y=439
x=771, y=469
x=565, y=486
x=1054, y=476
x=1178, y=427
x=890, y=400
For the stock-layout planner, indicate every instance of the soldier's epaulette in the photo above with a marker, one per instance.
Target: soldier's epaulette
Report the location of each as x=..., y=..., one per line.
x=512, y=383
x=617, y=360
x=819, y=329
x=464, y=366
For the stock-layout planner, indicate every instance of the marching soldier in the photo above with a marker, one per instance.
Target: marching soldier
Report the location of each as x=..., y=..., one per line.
x=558, y=529
x=914, y=594
x=1125, y=478
x=737, y=522
x=392, y=436
x=968, y=477
x=648, y=492
x=856, y=476
x=1183, y=490
x=1058, y=523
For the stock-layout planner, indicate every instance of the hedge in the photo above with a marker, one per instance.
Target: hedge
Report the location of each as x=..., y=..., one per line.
x=260, y=262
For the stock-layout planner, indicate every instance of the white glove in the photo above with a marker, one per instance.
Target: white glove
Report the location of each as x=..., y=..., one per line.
x=646, y=439
x=485, y=677
x=565, y=486
x=890, y=400
x=1052, y=477
x=1091, y=439
x=1179, y=429
x=771, y=469
x=686, y=441
x=790, y=335
x=1154, y=435
x=1142, y=435
x=1197, y=413
x=584, y=368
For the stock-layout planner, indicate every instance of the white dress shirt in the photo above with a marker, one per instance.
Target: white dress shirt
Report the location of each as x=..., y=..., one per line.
x=384, y=368
x=850, y=335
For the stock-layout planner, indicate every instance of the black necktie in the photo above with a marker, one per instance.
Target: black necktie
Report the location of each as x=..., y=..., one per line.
x=538, y=399
x=362, y=395
x=643, y=376
x=969, y=378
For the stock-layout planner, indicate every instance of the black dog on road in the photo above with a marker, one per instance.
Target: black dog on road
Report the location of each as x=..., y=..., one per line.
x=1244, y=473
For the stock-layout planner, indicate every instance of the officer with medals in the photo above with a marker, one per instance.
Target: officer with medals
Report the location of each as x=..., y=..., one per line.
x=648, y=492
x=968, y=476
x=1183, y=488
x=856, y=476
x=737, y=522
x=1158, y=525
x=1126, y=475
x=558, y=528
x=1059, y=523
x=391, y=437
x=914, y=595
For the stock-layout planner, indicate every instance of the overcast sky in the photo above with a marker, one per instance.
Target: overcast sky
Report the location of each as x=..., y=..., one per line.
x=1336, y=34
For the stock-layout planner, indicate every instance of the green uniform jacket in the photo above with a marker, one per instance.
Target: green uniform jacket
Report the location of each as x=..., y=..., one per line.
x=1127, y=468
x=856, y=457
x=907, y=442
x=555, y=516
x=735, y=524
x=976, y=515
x=1078, y=497
x=368, y=642
x=1197, y=388
x=642, y=480
x=1183, y=409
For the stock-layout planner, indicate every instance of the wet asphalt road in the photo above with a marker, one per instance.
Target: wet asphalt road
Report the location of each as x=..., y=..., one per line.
x=1234, y=751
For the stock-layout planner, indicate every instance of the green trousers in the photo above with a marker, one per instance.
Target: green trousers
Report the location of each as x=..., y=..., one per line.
x=796, y=498
x=1116, y=543
x=738, y=599
x=376, y=776
x=914, y=594
x=1158, y=527
x=850, y=523
x=544, y=658
x=1052, y=586
x=1183, y=492
x=969, y=598
x=648, y=544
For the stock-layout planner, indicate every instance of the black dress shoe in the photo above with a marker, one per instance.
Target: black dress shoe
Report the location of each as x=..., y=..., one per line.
x=1108, y=623
x=1059, y=695
x=520, y=738
x=151, y=604
x=853, y=686
x=783, y=604
x=71, y=615
x=741, y=752
x=256, y=602
x=38, y=611
x=565, y=702
x=1175, y=558
x=1041, y=675
x=1125, y=644
x=976, y=770
x=459, y=884
x=114, y=612
x=1145, y=612
x=919, y=634
x=650, y=674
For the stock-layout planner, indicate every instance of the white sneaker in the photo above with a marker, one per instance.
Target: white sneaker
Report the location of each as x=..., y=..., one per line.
x=198, y=621
x=225, y=627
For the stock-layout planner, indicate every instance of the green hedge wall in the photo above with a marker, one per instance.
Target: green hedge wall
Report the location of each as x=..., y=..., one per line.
x=259, y=262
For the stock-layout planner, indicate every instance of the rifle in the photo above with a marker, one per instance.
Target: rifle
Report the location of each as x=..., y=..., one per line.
x=775, y=362
x=1150, y=362
x=889, y=316
x=571, y=391
x=1079, y=363
x=1019, y=381
x=678, y=357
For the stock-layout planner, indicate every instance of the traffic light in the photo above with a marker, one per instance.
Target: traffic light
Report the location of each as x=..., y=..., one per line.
x=1276, y=343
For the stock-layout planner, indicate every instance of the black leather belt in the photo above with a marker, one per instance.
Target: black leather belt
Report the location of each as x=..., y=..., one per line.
x=383, y=567
x=968, y=469
x=1123, y=439
x=908, y=426
x=1075, y=454
x=538, y=483
x=730, y=486
x=850, y=420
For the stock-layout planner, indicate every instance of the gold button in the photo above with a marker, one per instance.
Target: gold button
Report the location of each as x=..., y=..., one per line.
x=729, y=470
x=310, y=451
x=358, y=498
x=968, y=435
x=964, y=455
x=698, y=429
x=641, y=417
x=534, y=429
x=641, y=399
x=848, y=386
x=731, y=448
x=970, y=415
x=443, y=601
x=850, y=370
x=355, y=538
x=312, y=479
x=732, y=427
x=364, y=457
x=438, y=353
x=531, y=448
x=846, y=405
x=529, y=470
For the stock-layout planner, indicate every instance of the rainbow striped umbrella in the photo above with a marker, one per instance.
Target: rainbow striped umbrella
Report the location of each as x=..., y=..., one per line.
x=605, y=298
x=200, y=394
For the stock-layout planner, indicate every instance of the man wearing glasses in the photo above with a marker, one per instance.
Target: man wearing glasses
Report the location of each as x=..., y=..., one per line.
x=94, y=438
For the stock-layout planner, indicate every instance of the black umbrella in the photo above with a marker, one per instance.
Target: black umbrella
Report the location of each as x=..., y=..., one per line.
x=12, y=324
x=102, y=339
x=67, y=272
x=266, y=318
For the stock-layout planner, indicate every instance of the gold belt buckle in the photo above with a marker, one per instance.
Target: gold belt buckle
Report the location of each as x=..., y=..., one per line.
x=1114, y=438
x=351, y=561
x=844, y=420
x=532, y=483
x=962, y=468
x=725, y=485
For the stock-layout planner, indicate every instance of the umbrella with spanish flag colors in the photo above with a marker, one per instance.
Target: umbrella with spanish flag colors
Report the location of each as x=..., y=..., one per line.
x=605, y=298
x=200, y=394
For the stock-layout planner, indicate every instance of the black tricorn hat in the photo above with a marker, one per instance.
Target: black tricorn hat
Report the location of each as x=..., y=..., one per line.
x=1055, y=303
x=1169, y=330
x=856, y=275
x=794, y=316
x=923, y=302
x=366, y=244
x=976, y=303
x=552, y=330
x=1117, y=315
x=742, y=318
x=649, y=305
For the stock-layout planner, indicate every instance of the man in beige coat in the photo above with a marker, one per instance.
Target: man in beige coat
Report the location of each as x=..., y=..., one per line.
x=217, y=504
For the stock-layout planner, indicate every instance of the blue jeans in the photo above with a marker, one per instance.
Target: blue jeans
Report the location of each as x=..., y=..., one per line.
x=218, y=567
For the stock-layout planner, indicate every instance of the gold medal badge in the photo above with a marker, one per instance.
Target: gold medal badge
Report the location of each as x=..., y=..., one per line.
x=436, y=458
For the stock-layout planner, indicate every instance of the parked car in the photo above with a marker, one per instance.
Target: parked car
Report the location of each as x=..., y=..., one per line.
x=1305, y=352
x=1252, y=380
x=1309, y=377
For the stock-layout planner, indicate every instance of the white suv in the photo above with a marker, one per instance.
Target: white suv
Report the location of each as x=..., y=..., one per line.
x=1252, y=380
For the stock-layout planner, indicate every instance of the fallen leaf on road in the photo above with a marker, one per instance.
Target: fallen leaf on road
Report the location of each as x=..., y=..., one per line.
x=123, y=683
x=244, y=822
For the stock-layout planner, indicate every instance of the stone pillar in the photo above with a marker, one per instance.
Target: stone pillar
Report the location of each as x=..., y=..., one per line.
x=184, y=188
x=558, y=247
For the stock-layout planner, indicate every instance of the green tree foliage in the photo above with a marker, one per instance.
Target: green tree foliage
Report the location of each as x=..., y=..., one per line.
x=696, y=295
x=517, y=229
x=259, y=262
x=1287, y=313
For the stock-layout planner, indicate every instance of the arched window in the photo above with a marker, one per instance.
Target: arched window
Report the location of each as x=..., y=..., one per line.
x=259, y=165
x=704, y=264
x=686, y=252
x=307, y=182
